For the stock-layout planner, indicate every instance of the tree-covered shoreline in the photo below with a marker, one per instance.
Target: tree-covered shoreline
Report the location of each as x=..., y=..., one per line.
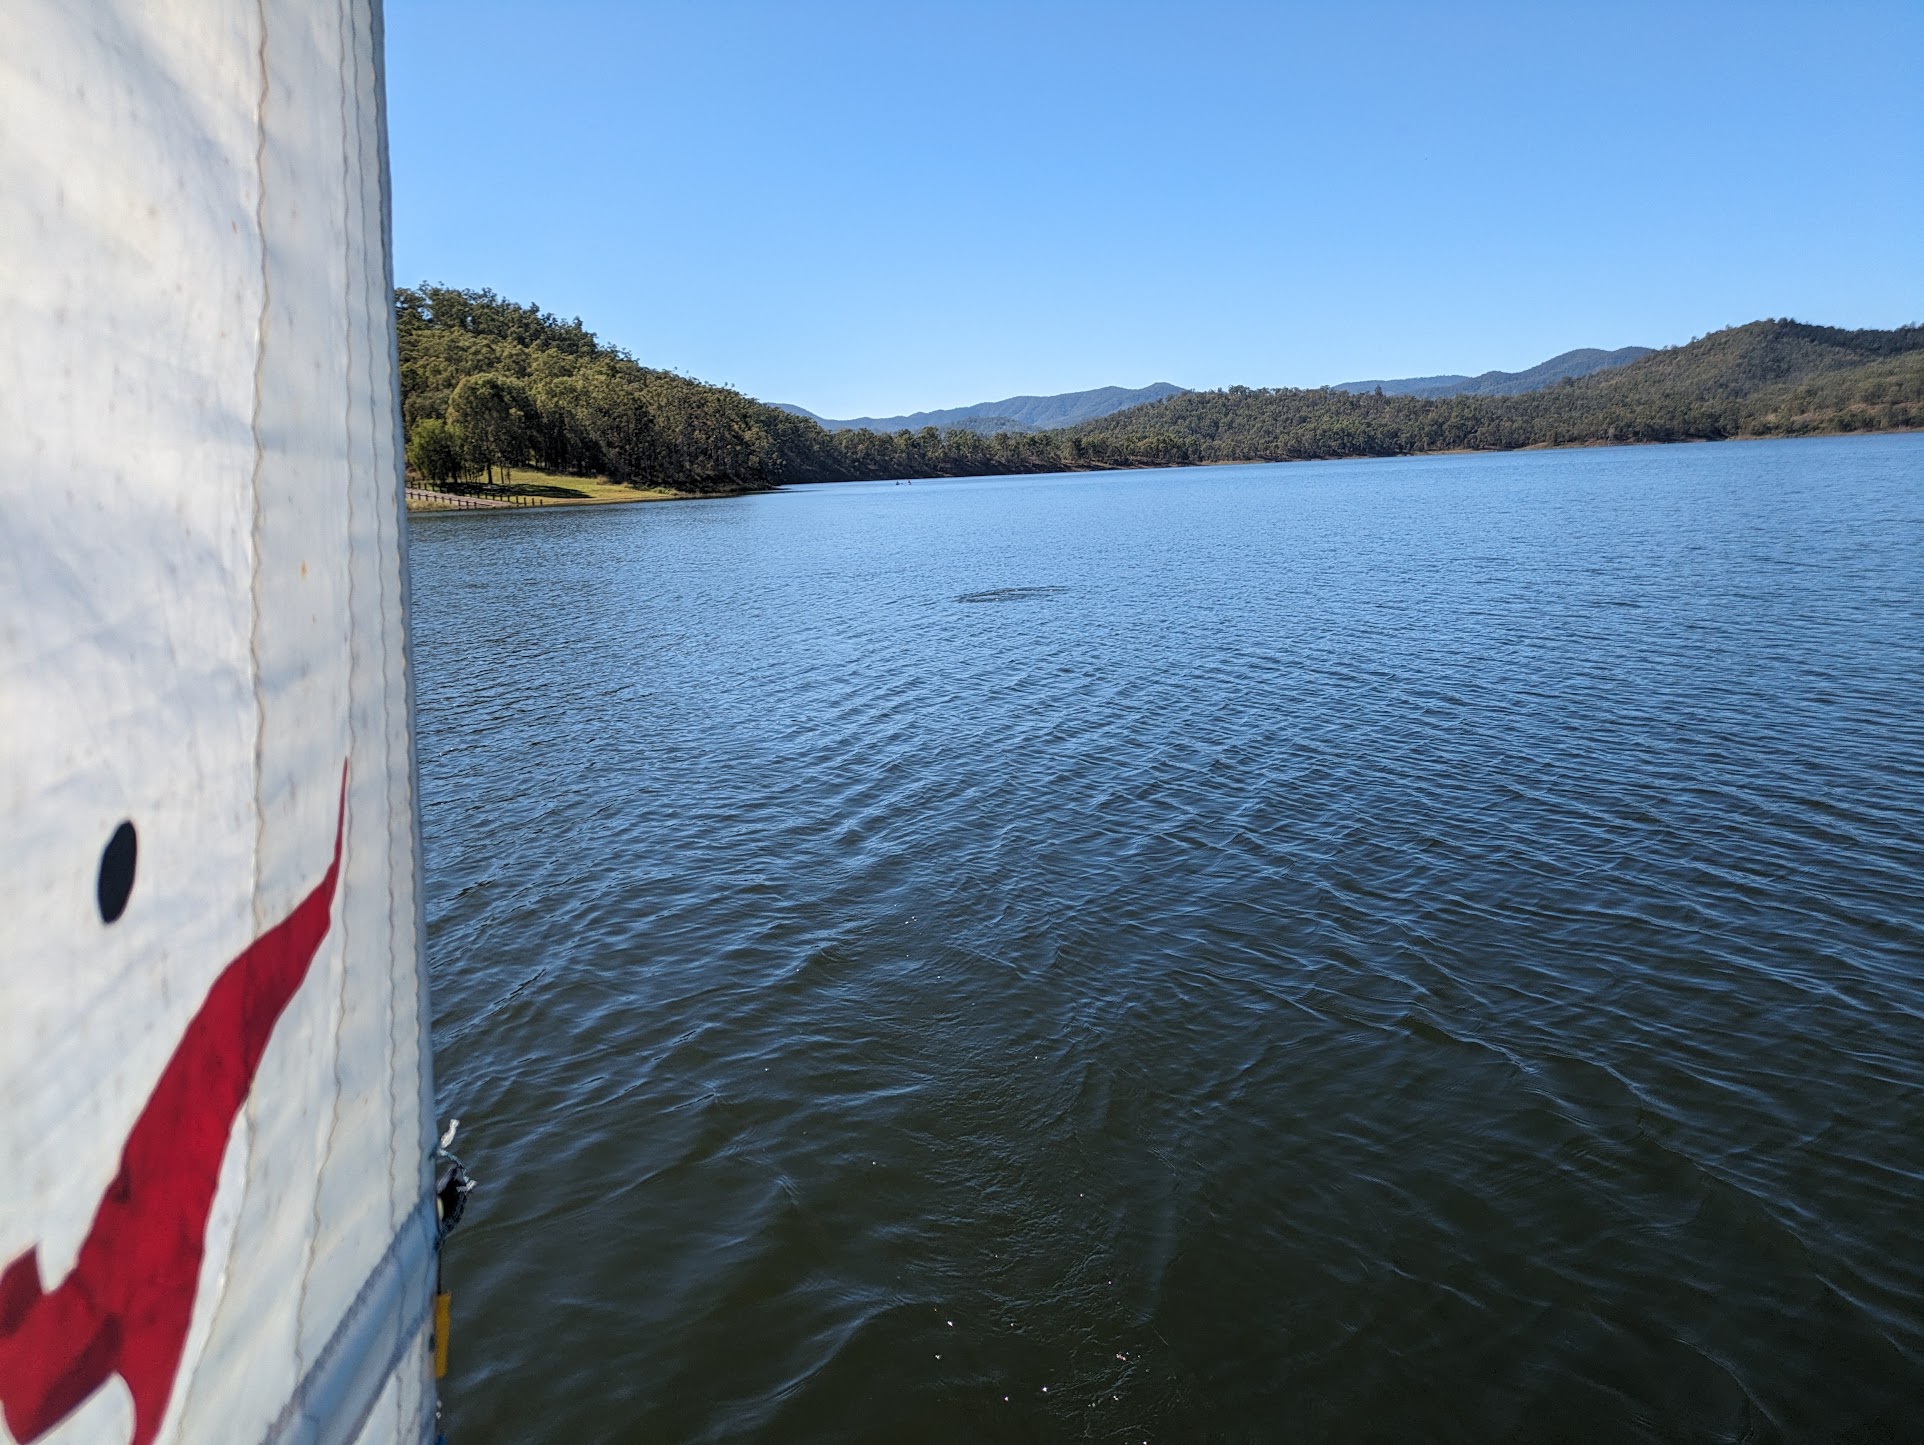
x=1767, y=378
x=488, y=383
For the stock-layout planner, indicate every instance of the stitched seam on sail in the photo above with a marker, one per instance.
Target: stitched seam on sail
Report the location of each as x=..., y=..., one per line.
x=347, y=939
x=242, y=1135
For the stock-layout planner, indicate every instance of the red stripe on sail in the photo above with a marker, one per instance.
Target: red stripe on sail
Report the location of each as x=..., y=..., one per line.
x=125, y=1307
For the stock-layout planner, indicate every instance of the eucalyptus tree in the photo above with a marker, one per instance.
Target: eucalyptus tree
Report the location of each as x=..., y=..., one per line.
x=497, y=419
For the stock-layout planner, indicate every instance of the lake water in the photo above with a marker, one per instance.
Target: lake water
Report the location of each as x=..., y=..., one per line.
x=1385, y=950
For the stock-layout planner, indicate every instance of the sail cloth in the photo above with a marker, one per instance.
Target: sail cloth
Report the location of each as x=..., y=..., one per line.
x=215, y=1104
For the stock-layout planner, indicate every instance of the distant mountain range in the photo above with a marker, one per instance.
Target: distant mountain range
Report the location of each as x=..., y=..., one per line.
x=1022, y=414
x=1014, y=414
x=1580, y=362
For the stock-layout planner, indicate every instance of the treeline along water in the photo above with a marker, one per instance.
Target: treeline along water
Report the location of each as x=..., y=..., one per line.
x=486, y=382
x=1370, y=950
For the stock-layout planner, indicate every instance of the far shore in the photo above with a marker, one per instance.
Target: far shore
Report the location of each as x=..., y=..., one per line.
x=528, y=487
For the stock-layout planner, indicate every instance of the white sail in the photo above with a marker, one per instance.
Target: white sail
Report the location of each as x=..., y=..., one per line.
x=215, y=1107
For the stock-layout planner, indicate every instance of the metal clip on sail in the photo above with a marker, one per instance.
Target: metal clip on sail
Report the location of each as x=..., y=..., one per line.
x=452, y=1184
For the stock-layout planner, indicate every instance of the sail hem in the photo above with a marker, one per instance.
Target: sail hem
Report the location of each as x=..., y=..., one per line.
x=335, y=1397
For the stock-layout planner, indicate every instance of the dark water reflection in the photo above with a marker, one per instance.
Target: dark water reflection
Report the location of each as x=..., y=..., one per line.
x=1380, y=950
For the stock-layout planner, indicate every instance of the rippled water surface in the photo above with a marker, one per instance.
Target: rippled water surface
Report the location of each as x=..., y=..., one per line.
x=1372, y=950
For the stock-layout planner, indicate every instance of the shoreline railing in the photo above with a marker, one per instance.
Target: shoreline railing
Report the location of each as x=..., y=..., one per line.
x=484, y=500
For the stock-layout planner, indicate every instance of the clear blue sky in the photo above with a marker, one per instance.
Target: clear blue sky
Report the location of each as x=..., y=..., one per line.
x=875, y=209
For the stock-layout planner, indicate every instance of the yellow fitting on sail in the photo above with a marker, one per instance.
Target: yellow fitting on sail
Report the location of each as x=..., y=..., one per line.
x=443, y=1308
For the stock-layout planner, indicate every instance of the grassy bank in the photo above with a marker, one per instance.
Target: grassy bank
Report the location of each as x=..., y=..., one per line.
x=552, y=489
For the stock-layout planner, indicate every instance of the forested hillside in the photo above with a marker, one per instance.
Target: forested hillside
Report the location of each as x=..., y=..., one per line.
x=1769, y=378
x=487, y=383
